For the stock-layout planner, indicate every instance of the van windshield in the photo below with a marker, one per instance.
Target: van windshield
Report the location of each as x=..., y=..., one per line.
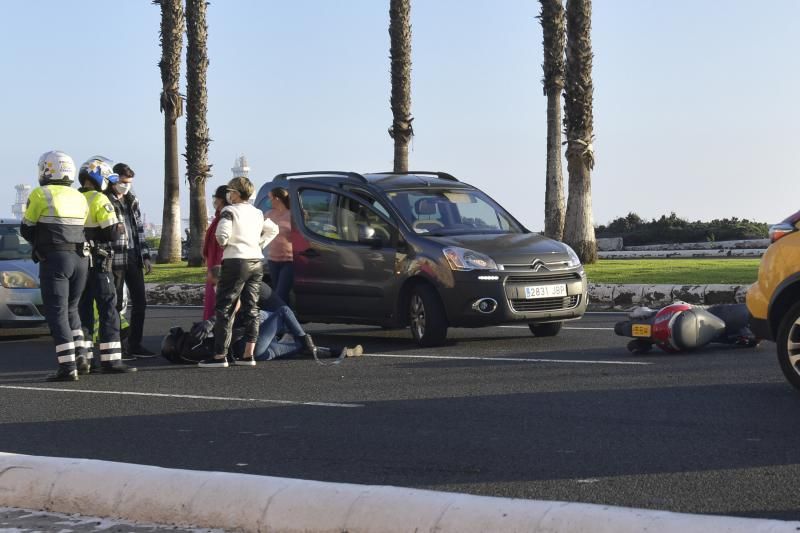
x=451, y=212
x=12, y=245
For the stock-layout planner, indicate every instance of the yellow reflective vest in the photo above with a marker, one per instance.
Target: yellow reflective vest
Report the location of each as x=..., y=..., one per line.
x=55, y=215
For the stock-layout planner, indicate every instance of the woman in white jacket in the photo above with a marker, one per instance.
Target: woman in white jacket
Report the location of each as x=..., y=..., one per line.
x=243, y=233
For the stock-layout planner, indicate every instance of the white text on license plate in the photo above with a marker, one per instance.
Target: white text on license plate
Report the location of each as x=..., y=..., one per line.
x=546, y=291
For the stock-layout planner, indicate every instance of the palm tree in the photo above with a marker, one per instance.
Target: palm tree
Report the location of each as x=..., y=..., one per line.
x=197, y=168
x=400, y=55
x=578, y=122
x=169, y=251
x=552, y=19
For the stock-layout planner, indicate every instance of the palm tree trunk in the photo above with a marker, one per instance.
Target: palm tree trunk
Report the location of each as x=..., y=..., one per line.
x=169, y=251
x=197, y=137
x=552, y=20
x=400, y=54
x=578, y=120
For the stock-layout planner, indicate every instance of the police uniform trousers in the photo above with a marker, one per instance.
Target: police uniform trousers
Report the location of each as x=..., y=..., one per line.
x=62, y=278
x=100, y=290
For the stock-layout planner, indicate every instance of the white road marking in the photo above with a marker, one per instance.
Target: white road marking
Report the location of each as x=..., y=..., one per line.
x=565, y=327
x=510, y=359
x=183, y=396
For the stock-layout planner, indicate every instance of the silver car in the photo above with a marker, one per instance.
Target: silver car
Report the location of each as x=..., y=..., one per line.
x=20, y=298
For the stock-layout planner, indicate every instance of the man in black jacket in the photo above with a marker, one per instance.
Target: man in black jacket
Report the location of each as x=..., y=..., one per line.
x=131, y=257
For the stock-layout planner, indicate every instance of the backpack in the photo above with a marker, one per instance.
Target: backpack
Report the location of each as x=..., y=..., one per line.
x=186, y=348
x=190, y=347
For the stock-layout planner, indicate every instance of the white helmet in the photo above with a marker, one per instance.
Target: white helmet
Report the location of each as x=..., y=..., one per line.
x=98, y=169
x=56, y=167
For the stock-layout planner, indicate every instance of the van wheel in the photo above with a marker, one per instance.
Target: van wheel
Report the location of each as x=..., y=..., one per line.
x=788, y=341
x=426, y=316
x=548, y=329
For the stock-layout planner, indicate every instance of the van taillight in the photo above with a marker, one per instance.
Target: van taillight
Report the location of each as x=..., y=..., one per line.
x=784, y=228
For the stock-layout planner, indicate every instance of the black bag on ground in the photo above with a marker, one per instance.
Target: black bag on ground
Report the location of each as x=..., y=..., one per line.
x=186, y=347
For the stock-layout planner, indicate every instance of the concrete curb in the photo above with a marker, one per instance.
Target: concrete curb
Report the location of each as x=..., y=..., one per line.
x=255, y=503
x=602, y=296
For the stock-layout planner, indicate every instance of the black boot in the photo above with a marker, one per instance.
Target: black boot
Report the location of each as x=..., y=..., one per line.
x=310, y=348
x=82, y=365
x=116, y=367
x=64, y=373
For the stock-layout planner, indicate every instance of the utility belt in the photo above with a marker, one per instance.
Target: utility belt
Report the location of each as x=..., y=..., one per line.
x=81, y=249
x=101, y=259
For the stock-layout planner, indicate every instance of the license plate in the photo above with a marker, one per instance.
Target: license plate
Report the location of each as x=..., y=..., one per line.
x=641, y=330
x=546, y=291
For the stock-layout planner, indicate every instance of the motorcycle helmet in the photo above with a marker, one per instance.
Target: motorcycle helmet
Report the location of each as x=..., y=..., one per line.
x=56, y=168
x=99, y=171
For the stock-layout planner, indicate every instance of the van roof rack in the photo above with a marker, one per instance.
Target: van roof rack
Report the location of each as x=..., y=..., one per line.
x=321, y=174
x=440, y=175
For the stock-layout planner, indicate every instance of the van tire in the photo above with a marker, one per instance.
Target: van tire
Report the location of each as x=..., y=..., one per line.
x=548, y=329
x=789, y=331
x=426, y=316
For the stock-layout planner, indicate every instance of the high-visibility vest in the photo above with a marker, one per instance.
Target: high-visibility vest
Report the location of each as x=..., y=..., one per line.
x=58, y=214
x=101, y=215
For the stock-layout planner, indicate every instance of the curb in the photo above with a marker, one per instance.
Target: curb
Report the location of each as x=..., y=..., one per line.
x=259, y=503
x=602, y=296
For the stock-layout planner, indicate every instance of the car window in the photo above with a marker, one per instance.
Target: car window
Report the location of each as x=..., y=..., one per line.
x=338, y=217
x=452, y=212
x=12, y=244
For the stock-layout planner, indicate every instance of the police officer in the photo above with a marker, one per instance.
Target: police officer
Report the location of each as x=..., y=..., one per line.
x=102, y=229
x=54, y=222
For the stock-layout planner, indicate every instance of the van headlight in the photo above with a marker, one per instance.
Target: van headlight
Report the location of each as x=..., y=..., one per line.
x=13, y=279
x=463, y=259
x=574, y=260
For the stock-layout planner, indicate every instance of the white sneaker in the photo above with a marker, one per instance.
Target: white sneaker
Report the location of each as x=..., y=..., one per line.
x=244, y=362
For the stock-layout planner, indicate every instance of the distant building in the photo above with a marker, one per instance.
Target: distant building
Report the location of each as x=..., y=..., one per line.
x=23, y=191
x=240, y=168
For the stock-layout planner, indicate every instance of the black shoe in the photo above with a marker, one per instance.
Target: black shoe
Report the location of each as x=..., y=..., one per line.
x=118, y=367
x=310, y=348
x=141, y=352
x=64, y=374
x=213, y=362
x=82, y=365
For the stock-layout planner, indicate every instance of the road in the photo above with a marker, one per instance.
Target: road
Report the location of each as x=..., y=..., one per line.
x=495, y=412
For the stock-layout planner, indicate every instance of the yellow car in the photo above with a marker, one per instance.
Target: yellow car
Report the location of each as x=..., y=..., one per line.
x=774, y=300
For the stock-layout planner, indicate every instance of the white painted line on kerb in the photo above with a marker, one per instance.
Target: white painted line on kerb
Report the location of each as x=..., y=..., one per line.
x=510, y=359
x=565, y=327
x=183, y=396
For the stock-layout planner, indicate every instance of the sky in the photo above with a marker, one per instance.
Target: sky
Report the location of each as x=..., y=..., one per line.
x=695, y=101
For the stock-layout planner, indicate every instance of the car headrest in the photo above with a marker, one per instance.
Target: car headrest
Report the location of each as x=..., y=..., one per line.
x=10, y=241
x=425, y=206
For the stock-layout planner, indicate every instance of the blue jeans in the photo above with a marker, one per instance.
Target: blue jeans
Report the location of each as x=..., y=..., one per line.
x=267, y=346
x=282, y=274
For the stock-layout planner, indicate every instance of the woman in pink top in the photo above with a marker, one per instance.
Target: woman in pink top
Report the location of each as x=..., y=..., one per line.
x=279, y=259
x=212, y=252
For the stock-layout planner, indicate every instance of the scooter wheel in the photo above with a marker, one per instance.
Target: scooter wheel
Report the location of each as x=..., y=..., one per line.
x=638, y=346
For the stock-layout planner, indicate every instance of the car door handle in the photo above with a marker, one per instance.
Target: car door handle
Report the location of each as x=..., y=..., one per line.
x=309, y=252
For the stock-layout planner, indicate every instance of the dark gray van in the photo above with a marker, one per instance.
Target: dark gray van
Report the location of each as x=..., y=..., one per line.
x=425, y=250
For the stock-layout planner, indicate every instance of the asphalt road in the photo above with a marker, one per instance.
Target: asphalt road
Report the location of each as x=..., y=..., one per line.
x=495, y=412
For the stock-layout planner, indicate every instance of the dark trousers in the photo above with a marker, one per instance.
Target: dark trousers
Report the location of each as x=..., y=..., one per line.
x=133, y=277
x=282, y=278
x=101, y=289
x=240, y=280
x=62, y=278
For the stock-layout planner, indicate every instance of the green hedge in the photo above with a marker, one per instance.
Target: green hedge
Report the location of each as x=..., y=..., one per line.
x=673, y=229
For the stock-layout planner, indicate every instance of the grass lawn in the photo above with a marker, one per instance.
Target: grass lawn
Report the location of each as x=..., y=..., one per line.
x=655, y=271
x=176, y=273
x=674, y=271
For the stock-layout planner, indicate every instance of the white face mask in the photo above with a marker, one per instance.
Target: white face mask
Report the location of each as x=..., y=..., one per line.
x=122, y=188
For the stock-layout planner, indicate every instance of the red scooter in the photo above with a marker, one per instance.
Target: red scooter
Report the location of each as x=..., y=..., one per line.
x=682, y=327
